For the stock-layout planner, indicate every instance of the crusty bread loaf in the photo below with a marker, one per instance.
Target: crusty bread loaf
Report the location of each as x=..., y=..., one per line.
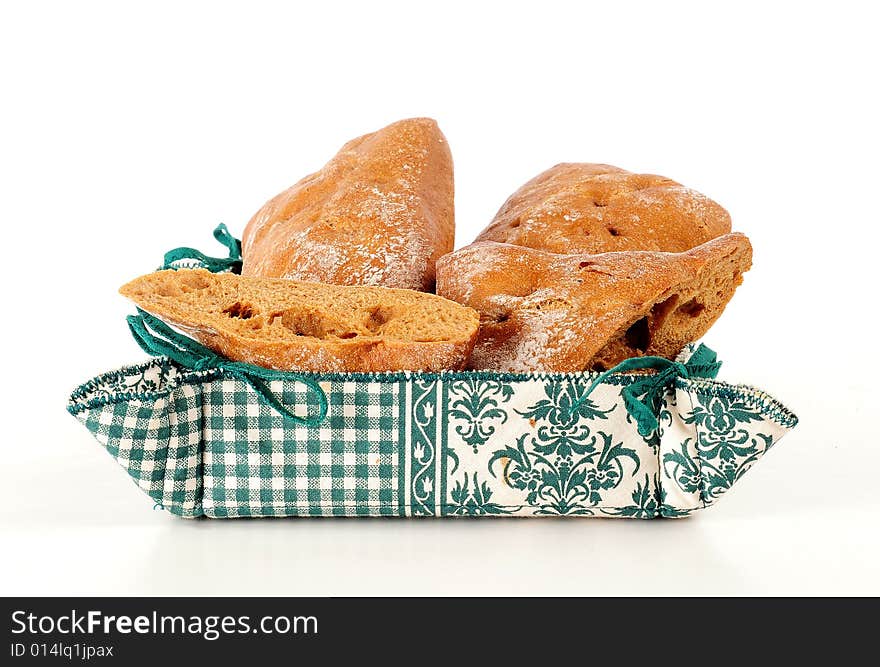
x=289, y=325
x=379, y=213
x=547, y=312
x=594, y=208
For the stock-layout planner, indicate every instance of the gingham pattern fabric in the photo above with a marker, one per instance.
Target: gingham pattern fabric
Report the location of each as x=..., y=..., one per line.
x=449, y=444
x=258, y=464
x=155, y=435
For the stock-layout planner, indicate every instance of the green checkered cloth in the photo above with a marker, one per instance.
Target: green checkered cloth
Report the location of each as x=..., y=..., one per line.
x=204, y=443
x=345, y=466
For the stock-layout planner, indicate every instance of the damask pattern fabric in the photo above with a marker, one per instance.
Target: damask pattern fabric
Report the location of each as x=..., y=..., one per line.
x=202, y=443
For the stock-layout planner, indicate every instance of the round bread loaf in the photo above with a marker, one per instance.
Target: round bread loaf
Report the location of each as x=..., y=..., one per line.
x=379, y=213
x=593, y=208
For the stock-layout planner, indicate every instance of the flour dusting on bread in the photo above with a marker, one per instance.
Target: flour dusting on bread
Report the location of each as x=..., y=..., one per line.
x=541, y=311
x=379, y=213
x=583, y=207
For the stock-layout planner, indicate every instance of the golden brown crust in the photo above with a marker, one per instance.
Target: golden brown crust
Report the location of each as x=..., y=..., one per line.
x=289, y=325
x=595, y=208
x=547, y=312
x=379, y=213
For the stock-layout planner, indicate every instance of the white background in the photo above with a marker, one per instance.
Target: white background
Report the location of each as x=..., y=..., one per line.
x=127, y=131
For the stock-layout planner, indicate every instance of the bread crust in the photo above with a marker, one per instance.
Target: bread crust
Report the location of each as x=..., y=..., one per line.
x=541, y=311
x=378, y=213
x=288, y=325
x=595, y=208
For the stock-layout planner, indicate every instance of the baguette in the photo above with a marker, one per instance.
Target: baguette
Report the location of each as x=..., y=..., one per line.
x=546, y=312
x=287, y=325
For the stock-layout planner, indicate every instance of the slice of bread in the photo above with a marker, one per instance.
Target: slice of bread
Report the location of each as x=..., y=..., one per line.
x=289, y=325
x=594, y=208
x=541, y=311
x=380, y=212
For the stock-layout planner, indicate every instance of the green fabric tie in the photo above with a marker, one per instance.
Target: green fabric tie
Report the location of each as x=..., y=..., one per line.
x=639, y=397
x=215, y=264
x=158, y=339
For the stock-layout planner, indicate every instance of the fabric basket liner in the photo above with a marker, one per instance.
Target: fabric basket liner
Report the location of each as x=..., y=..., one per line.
x=203, y=443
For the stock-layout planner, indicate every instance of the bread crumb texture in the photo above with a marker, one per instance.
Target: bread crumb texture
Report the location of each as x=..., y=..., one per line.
x=541, y=311
x=292, y=325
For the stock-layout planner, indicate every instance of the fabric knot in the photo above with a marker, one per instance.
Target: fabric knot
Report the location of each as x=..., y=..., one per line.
x=642, y=395
x=189, y=257
x=158, y=339
x=206, y=363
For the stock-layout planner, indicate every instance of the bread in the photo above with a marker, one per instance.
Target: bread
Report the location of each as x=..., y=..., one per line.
x=547, y=312
x=379, y=213
x=289, y=325
x=594, y=208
